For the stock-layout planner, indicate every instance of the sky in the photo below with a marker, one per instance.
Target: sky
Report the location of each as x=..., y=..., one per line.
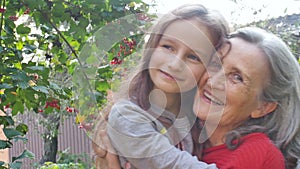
x=240, y=12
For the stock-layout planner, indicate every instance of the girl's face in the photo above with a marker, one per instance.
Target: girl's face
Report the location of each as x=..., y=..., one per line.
x=177, y=63
x=231, y=95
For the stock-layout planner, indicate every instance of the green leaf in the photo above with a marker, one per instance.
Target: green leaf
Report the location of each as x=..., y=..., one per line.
x=21, y=29
x=45, y=28
x=19, y=75
x=30, y=47
x=23, y=128
x=83, y=22
x=63, y=57
x=40, y=68
x=15, y=165
x=92, y=59
x=6, y=121
x=58, y=9
x=3, y=97
x=3, y=144
x=21, y=139
x=25, y=154
x=11, y=133
x=9, y=30
x=1, y=49
x=102, y=86
x=5, y=86
x=23, y=85
x=105, y=72
x=42, y=89
x=17, y=107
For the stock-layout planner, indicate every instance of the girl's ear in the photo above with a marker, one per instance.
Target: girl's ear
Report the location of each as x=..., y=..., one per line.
x=264, y=109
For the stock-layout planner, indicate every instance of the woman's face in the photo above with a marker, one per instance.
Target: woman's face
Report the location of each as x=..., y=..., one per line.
x=229, y=96
x=177, y=63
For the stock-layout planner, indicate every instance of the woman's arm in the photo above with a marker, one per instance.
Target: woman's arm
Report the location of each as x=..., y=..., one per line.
x=108, y=153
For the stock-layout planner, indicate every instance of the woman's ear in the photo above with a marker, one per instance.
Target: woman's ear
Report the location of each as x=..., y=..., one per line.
x=264, y=109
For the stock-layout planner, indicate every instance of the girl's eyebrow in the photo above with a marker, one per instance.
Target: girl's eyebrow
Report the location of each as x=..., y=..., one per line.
x=168, y=38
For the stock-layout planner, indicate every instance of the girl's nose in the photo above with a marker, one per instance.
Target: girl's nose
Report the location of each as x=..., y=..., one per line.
x=176, y=62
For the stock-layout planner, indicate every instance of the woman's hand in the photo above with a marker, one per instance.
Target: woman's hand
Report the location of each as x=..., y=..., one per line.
x=106, y=157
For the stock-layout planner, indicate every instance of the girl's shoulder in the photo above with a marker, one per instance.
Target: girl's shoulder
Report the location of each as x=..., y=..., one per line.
x=126, y=109
x=124, y=103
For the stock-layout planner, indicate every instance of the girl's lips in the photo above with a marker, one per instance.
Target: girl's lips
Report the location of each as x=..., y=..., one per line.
x=170, y=77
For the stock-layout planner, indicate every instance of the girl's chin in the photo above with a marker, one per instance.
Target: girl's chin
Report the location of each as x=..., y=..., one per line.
x=201, y=116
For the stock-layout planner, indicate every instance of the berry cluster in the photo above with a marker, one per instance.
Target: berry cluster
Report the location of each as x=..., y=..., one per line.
x=142, y=17
x=125, y=48
x=53, y=104
x=13, y=17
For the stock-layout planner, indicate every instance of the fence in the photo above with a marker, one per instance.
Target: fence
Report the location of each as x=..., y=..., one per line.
x=70, y=137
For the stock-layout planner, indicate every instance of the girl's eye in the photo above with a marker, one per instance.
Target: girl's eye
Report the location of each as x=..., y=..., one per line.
x=167, y=47
x=194, y=57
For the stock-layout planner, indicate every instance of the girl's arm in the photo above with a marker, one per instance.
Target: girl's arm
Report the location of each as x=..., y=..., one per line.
x=134, y=136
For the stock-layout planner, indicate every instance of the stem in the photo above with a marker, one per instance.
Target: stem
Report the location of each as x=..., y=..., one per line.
x=2, y=20
x=72, y=50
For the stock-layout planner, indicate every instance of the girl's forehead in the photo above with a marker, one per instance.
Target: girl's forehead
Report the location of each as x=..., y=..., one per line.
x=192, y=33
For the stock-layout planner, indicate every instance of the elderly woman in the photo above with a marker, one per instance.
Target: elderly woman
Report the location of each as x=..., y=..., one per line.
x=251, y=107
x=248, y=108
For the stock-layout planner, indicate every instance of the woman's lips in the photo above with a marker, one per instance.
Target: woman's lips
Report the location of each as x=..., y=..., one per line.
x=209, y=98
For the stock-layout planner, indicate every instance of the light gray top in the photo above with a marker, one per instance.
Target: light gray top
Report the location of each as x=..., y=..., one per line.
x=140, y=139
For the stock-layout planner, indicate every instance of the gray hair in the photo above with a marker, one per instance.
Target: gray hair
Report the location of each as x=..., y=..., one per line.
x=283, y=124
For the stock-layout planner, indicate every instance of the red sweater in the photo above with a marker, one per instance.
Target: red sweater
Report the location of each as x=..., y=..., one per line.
x=255, y=152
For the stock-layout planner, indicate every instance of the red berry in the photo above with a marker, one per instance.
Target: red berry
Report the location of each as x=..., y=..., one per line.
x=13, y=18
x=27, y=11
x=69, y=109
x=36, y=77
x=2, y=10
x=115, y=61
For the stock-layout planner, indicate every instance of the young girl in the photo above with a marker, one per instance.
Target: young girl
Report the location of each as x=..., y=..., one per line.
x=149, y=126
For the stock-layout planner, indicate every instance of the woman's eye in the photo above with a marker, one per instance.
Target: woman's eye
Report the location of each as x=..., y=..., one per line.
x=237, y=77
x=194, y=57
